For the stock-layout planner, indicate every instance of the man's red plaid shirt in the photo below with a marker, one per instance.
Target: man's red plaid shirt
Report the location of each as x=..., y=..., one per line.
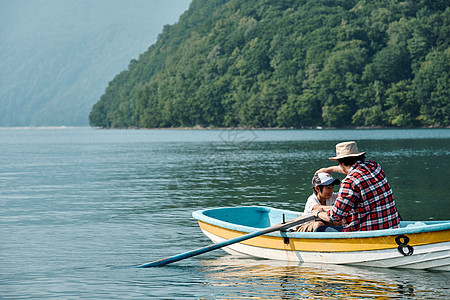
x=365, y=200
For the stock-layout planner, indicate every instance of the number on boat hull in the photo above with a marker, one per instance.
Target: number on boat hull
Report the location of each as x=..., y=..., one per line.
x=402, y=242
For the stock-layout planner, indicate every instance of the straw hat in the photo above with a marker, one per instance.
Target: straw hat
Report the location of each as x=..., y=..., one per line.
x=346, y=149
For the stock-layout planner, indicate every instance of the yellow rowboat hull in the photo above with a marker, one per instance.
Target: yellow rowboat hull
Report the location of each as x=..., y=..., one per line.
x=417, y=245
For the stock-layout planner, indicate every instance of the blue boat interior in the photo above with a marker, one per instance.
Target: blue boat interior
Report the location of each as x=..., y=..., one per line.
x=262, y=217
x=254, y=216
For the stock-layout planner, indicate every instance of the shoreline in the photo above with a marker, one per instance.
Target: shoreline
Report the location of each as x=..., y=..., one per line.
x=221, y=128
x=273, y=128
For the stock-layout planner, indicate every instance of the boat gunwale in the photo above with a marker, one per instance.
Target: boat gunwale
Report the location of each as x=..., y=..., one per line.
x=435, y=226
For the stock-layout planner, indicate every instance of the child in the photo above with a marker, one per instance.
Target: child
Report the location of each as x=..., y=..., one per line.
x=322, y=198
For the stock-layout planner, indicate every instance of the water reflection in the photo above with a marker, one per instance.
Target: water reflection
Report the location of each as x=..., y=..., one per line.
x=238, y=277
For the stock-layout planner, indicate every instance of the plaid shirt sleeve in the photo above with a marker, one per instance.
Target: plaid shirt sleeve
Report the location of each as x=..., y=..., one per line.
x=347, y=198
x=365, y=200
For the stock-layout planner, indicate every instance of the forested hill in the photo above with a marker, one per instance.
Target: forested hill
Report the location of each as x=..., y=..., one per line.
x=290, y=63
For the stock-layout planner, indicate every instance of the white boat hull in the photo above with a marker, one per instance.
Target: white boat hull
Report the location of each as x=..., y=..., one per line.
x=426, y=257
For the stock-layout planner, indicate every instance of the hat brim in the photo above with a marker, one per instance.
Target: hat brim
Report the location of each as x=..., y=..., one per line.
x=333, y=181
x=347, y=155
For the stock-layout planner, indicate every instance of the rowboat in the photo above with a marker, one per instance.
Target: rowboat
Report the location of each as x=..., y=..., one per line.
x=416, y=245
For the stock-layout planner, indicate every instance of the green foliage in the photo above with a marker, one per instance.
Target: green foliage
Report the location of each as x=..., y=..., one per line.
x=269, y=63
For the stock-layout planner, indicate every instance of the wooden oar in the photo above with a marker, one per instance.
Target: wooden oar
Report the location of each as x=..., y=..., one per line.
x=276, y=227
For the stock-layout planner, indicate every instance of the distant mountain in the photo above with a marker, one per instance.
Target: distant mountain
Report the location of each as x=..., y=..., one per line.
x=57, y=56
x=290, y=63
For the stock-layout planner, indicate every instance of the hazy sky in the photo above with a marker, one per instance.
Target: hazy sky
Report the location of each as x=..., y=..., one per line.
x=57, y=18
x=57, y=56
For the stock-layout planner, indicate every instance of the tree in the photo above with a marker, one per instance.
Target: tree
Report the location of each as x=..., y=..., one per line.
x=432, y=88
x=402, y=110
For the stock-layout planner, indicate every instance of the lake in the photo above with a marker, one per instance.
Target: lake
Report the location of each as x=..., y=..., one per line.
x=80, y=208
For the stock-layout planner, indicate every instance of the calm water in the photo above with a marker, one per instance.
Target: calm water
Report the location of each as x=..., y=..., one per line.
x=79, y=208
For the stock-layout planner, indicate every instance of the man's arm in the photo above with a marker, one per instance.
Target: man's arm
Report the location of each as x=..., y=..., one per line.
x=330, y=170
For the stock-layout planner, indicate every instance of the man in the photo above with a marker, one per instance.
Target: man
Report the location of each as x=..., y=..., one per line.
x=365, y=199
x=322, y=198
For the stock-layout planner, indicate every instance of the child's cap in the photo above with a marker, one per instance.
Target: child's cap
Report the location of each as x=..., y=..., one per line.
x=324, y=179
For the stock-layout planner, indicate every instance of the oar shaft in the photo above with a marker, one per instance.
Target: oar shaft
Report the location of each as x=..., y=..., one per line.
x=276, y=227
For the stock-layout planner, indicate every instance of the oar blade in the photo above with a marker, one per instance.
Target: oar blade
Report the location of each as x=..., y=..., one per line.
x=199, y=251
